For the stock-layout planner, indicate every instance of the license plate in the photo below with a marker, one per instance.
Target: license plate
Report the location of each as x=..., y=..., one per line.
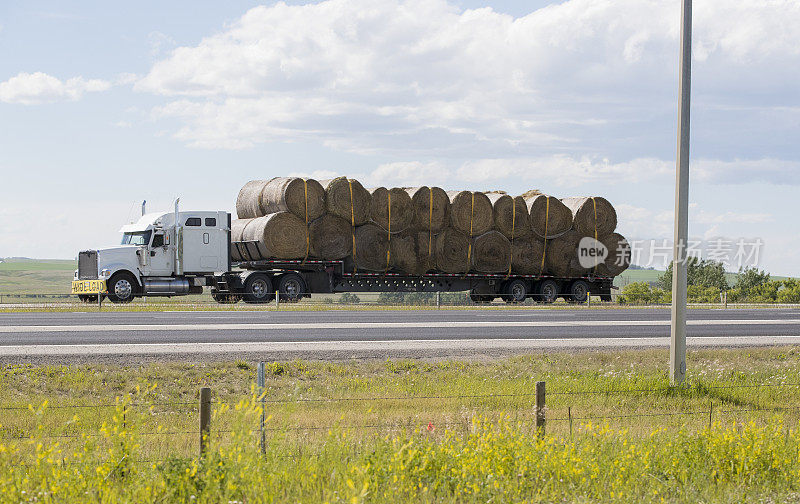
x=88, y=286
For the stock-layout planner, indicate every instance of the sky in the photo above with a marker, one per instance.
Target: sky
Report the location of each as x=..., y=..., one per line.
x=106, y=104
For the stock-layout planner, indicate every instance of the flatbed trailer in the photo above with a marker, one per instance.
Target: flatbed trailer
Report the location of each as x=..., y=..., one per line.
x=258, y=281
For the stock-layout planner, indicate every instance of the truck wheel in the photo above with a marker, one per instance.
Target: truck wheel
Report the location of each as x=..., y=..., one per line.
x=548, y=292
x=578, y=291
x=226, y=297
x=122, y=288
x=258, y=289
x=515, y=291
x=292, y=287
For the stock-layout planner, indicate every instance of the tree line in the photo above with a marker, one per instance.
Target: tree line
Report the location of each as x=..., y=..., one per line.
x=707, y=284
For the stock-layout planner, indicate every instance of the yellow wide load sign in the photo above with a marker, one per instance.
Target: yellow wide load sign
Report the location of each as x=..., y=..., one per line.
x=88, y=286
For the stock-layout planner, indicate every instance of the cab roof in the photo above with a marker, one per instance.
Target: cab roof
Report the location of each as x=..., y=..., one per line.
x=143, y=223
x=162, y=219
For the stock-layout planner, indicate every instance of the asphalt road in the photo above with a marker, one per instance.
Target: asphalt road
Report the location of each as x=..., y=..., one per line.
x=348, y=334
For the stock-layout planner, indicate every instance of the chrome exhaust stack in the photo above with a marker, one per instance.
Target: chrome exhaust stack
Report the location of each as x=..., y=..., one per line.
x=178, y=241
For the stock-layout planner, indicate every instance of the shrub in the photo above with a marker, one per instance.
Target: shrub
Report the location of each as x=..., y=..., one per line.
x=349, y=298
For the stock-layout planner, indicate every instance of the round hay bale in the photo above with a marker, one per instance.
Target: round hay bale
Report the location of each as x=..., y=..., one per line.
x=372, y=245
x=410, y=252
x=402, y=213
x=527, y=255
x=279, y=235
x=561, y=253
x=248, y=202
x=510, y=215
x=403, y=256
x=237, y=230
x=470, y=212
x=548, y=222
x=583, y=215
x=452, y=249
x=331, y=237
x=425, y=243
x=303, y=197
x=619, y=255
x=431, y=208
x=338, y=200
x=491, y=253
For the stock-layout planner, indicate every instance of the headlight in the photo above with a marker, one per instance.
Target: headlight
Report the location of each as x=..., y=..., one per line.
x=105, y=273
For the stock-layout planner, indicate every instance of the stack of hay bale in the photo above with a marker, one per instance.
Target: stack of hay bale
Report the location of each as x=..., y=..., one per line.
x=423, y=229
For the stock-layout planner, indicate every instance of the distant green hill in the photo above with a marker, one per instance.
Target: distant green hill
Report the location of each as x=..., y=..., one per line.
x=19, y=275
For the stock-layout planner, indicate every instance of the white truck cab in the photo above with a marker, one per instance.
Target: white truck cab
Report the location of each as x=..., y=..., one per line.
x=162, y=254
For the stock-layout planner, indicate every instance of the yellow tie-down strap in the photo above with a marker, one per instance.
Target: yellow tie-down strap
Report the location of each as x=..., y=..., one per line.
x=308, y=228
x=389, y=231
x=546, y=220
x=594, y=203
x=513, y=225
x=353, y=225
x=430, y=221
x=469, y=247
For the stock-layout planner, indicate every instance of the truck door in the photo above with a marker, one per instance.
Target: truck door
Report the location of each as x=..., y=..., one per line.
x=201, y=245
x=159, y=262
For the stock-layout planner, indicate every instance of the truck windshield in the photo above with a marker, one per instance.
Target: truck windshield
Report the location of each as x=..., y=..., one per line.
x=140, y=238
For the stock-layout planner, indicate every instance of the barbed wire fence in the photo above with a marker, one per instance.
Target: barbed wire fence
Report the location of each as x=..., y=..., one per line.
x=536, y=413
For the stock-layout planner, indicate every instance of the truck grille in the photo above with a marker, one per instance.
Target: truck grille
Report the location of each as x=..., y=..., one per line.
x=87, y=265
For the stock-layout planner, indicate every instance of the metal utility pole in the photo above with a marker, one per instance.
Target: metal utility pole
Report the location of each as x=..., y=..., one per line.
x=677, y=349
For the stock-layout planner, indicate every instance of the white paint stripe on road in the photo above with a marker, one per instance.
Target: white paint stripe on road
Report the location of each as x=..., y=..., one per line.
x=320, y=347
x=376, y=325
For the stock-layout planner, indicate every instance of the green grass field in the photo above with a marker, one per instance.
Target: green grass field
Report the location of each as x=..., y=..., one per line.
x=424, y=431
x=28, y=276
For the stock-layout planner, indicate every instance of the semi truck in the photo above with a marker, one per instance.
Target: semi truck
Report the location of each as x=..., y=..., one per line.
x=186, y=252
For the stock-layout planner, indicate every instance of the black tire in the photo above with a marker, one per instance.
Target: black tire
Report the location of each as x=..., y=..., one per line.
x=226, y=297
x=547, y=292
x=292, y=288
x=515, y=291
x=258, y=289
x=578, y=291
x=85, y=298
x=122, y=288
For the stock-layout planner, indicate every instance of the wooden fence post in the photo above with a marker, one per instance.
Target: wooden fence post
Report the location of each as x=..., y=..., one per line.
x=710, y=414
x=205, y=419
x=569, y=414
x=261, y=395
x=540, y=418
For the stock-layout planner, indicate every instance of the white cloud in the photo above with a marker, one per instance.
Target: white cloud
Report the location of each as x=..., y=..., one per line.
x=569, y=172
x=389, y=76
x=743, y=171
x=160, y=43
x=36, y=88
x=730, y=217
x=643, y=223
x=564, y=170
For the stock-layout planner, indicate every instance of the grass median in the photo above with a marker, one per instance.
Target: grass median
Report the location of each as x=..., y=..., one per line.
x=383, y=431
